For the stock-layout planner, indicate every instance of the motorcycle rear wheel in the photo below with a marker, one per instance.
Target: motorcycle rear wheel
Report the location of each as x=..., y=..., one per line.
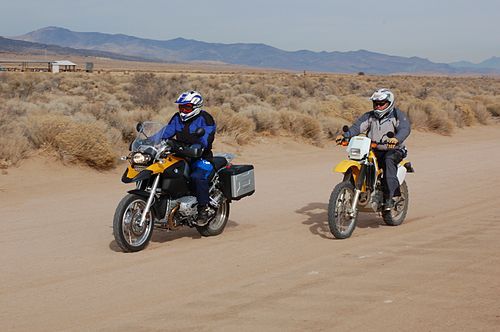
x=340, y=222
x=128, y=233
x=218, y=222
x=397, y=214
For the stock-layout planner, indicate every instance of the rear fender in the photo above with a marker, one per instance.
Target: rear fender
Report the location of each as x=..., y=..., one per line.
x=404, y=167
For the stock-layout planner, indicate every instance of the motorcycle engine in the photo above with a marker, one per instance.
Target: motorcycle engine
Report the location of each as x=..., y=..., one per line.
x=187, y=206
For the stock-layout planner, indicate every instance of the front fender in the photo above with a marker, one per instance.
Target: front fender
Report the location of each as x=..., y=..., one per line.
x=345, y=165
x=348, y=166
x=131, y=175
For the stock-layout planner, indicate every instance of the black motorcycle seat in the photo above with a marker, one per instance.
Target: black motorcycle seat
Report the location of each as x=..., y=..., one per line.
x=219, y=162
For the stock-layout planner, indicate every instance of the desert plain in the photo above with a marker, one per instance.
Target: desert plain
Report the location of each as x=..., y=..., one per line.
x=276, y=267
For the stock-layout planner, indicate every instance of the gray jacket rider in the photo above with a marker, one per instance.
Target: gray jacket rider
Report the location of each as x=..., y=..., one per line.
x=376, y=129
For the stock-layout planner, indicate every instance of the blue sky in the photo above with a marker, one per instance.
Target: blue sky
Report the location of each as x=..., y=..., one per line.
x=439, y=30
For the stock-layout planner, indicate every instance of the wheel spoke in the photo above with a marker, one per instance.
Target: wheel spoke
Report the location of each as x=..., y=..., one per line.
x=342, y=210
x=134, y=234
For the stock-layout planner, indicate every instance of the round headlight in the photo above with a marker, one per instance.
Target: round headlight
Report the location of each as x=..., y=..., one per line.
x=141, y=159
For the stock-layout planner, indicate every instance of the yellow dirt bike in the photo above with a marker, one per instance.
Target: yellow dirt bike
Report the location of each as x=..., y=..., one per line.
x=362, y=188
x=164, y=198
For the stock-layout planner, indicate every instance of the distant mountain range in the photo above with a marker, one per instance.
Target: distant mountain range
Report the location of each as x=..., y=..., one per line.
x=12, y=46
x=254, y=55
x=491, y=63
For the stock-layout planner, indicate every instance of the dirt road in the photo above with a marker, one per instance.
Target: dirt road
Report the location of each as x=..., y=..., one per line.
x=276, y=267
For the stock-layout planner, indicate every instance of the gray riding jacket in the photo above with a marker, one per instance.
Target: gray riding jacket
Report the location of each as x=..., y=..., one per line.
x=376, y=129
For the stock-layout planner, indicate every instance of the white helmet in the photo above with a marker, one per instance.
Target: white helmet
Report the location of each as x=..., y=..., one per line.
x=379, y=97
x=190, y=103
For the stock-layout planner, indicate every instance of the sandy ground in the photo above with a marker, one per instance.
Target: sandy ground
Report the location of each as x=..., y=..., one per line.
x=276, y=267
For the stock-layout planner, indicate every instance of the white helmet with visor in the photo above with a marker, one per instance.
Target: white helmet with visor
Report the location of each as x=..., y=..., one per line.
x=383, y=102
x=190, y=103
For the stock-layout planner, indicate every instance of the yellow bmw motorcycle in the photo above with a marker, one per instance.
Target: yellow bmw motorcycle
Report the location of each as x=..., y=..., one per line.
x=164, y=197
x=361, y=189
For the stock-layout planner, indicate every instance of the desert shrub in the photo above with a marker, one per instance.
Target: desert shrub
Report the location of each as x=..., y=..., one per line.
x=126, y=121
x=418, y=118
x=146, y=90
x=235, y=125
x=66, y=105
x=175, y=84
x=261, y=91
x=14, y=146
x=43, y=129
x=332, y=126
x=85, y=143
x=481, y=113
x=215, y=98
x=300, y=125
x=264, y=117
x=308, y=85
x=438, y=120
x=296, y=91
x=308, y=107
x=353, y=106
x=494, y=109
x=14, y=108
x=277, y=100
x=317, y=108
x=463, y=113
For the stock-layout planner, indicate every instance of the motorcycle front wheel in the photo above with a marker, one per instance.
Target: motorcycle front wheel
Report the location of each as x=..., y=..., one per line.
x=129, y=234
x=340, y=220
x=218, y=222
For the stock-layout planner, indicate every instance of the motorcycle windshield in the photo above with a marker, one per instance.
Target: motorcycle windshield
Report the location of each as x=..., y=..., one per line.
x=150, y=134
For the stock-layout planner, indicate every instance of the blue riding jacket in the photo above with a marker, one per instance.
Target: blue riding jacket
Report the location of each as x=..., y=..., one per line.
x=184, y=131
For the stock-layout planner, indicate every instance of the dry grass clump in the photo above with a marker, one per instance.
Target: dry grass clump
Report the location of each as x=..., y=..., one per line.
x=332, y=126
x=14, y=146
x=42, y=110
x=265, y=118
x=238, y=127
x=494, y=109
x=90, y=143
x=146, y=90
x=301, y=125
x=438, y=120
x=43, y=129
x=86, y=144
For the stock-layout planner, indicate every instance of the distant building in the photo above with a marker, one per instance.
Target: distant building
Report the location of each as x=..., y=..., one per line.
x=62, y=65
x=37, y=65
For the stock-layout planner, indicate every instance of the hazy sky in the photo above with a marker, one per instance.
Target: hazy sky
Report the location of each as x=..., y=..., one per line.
x=439, y=30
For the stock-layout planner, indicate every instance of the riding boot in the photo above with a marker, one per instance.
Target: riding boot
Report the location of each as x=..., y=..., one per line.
x=202, y=218
x=388, y=204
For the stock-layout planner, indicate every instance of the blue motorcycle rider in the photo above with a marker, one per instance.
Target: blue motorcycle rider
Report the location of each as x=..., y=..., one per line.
x=183, y=125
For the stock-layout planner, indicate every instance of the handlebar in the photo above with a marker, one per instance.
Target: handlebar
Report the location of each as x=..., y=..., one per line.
x=184, y=149
x=374, y=144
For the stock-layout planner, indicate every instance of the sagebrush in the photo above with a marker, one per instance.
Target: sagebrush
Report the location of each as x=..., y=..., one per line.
x=90, y=118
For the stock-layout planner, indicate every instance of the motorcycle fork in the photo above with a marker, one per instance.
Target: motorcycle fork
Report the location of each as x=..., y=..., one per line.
x=150, y=200
x=357, y=190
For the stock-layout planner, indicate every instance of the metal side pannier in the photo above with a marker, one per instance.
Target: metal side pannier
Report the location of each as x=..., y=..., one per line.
x=238, y=181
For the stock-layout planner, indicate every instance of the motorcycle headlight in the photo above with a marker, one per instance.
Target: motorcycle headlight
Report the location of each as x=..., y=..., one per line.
x=354, y=153
x=141, y=158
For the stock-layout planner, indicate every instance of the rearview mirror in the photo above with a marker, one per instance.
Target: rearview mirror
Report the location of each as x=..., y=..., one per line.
x=139, y=127
x=345, y=129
